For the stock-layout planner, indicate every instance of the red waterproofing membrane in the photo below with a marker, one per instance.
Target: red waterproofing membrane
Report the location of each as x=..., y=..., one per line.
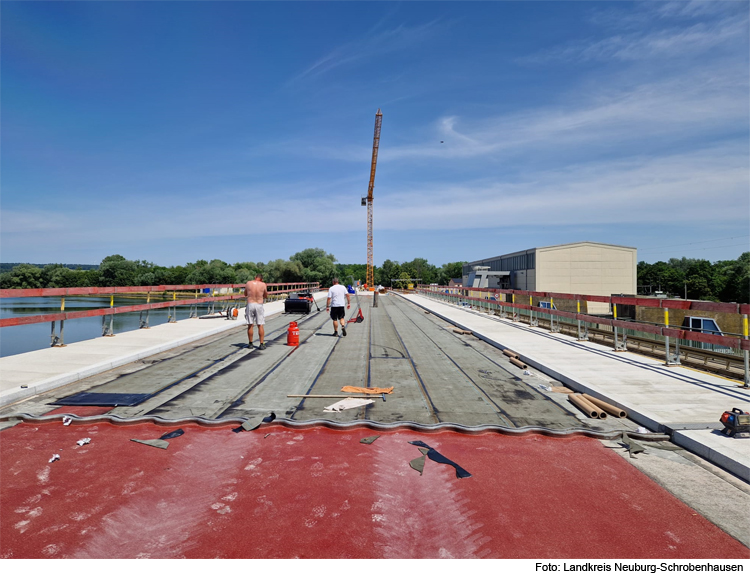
x=88, y=291
x=320, y=493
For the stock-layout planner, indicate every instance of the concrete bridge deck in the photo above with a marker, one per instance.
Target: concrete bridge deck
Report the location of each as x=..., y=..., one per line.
x=203, y=369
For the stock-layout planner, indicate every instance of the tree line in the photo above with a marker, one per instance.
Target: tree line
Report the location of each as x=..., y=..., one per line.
x=310, y=265
x=698, y=279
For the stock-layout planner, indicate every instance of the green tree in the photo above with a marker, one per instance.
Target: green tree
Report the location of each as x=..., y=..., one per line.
x=421, y=270
x=117, y=271
x=23, y=276
x=356, y=270
x=216, y=272
x=449, y=271
x=309, y=257
x=61, y=276
x=317, y=265
x=405, y=280
x=736, y=286
x=389, y=270
x=697, y=288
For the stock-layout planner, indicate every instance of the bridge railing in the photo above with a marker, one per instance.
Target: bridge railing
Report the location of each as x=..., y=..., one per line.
x=198, y=297
x=514, y=301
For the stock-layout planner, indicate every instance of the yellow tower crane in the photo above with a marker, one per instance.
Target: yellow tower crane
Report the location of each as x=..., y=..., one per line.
x=368, y=201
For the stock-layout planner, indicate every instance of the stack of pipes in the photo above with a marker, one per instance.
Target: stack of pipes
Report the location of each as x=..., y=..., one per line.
x=513, y=357
x=589, y=405
x=595, y=408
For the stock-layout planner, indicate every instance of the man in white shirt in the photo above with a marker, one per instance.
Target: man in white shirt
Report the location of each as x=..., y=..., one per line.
x=335, y=303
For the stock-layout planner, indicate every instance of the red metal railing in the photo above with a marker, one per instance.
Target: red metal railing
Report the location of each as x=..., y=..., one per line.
x=666, y=331
x=274, y=289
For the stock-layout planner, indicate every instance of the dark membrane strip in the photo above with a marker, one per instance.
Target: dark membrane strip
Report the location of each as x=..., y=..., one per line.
x=434, y=455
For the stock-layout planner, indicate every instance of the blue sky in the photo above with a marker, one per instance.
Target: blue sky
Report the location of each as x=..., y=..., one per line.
x=173, y=131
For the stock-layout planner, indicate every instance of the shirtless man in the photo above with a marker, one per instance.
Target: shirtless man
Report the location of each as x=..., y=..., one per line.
x=256, y=293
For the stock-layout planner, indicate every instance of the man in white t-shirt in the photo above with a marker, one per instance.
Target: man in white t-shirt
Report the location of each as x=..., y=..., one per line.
x=335, y=303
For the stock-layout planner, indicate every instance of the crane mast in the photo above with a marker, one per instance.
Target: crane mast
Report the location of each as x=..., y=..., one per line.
x=375, y=145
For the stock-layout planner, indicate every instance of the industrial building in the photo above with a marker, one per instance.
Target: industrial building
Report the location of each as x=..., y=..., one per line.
x=581, y=268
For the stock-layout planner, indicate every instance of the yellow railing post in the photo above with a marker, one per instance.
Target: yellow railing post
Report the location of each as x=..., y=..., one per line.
x=670, y=359
x=746, y=352
x=584, y=335
x=109, y=330
x=61, y=340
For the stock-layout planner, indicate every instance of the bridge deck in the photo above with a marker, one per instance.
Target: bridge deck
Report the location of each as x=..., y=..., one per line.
x=438, y=376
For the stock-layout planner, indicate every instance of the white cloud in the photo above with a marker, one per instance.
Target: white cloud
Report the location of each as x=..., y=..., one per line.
x=676, y=109
x=694, y=8
x=687, y=40
x=668, y=190
x=698, y=188
x=368, y=47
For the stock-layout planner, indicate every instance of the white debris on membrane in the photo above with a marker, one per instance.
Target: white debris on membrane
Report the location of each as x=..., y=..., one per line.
x=347, y=404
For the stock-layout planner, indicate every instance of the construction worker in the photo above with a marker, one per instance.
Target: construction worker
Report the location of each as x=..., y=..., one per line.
x=335, y=304
x=256, y=293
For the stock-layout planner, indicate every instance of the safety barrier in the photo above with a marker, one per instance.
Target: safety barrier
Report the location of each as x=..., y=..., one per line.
x=274, y=290
x=583, y=320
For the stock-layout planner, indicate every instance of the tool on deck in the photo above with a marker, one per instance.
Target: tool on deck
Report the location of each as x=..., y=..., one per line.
x=382, y=395
x=736, y=423
x=315, y=302
x=359, y=317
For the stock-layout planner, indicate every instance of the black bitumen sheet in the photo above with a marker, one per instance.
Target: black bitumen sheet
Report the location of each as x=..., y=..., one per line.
x=434, y=455
x=85, y=398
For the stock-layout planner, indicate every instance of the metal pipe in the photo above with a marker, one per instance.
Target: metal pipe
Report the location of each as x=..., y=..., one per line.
x=510, y=353
x=746, y=352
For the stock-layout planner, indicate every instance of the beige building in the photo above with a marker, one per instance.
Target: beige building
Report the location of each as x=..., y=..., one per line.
x=578, y=268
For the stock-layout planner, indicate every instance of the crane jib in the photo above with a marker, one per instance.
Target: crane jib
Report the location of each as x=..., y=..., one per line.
x=375, y=145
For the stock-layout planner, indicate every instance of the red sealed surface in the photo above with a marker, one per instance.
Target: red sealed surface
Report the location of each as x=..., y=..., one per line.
x=320, y=493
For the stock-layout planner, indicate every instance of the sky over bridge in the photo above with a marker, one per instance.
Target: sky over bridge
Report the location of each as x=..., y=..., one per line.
x=243, y=131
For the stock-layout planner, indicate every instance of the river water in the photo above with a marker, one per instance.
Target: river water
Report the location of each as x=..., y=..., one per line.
x=32, y=337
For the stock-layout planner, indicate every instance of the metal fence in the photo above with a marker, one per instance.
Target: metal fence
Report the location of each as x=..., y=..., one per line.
x=512, y=304
x=197, y=296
